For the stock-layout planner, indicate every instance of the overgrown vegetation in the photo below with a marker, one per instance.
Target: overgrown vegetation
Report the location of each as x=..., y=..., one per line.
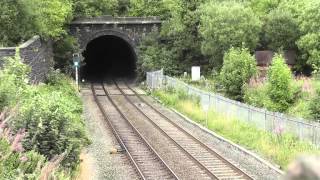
x=238, y=67
x=47, y=123
x=281, y=148
x=225, y=25
x=279, y=85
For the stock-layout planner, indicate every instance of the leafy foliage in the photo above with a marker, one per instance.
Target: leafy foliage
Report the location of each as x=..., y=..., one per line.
x=91, y=8
x=226, y=25
x=309, y=43
x=315, y=106
x=281, y=148
x=13, y=80
x=263, y=7
x=238, y=67
x=181, y=33
x=281, y=30
x=14, y=22
x=147, y=8
x=13, y=166
x=49, y=16
x=51, y=116
x=279, y=88
x=63, y=50
x=153, y=56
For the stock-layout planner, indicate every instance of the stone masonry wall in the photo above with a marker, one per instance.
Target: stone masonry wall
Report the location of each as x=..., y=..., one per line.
x=38, y=54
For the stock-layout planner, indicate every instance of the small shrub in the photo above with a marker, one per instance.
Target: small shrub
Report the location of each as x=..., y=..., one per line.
x=238, y=67
x=51, y=116
x=279, y=87
x=315, y=106
x=13, y=80
x=257, y=96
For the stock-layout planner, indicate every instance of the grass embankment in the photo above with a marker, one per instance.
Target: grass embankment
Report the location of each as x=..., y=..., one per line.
x=280, y=149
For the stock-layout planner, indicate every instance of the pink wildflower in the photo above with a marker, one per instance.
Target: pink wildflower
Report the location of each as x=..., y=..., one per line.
x=16, y=144
x=279, y=130
x=23, y=159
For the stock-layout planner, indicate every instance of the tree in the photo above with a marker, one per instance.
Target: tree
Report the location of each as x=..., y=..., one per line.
x=279, y=87
x=155, y=56
x=181, y=33
x=309, y=43
x=92, y=8
x=238, y=67
x=226, y=25
x=147, y=8
x=281, y=30
x=49, y=17
x=263, y=7
x=15, y=24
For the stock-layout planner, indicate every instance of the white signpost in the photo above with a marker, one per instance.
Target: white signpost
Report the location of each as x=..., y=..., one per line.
x=195, y=73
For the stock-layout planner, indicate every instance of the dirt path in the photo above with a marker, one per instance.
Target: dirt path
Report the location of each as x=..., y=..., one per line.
x=97, y=162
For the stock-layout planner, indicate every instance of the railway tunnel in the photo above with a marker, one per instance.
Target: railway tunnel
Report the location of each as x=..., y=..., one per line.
x=109, y=56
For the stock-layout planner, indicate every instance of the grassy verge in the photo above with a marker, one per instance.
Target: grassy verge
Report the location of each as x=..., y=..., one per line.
x=280, y=149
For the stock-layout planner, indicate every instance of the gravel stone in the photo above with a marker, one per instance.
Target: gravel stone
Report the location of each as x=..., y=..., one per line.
x=105, y=165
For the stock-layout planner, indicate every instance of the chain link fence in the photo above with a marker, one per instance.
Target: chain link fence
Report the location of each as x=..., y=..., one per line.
x=269, y=121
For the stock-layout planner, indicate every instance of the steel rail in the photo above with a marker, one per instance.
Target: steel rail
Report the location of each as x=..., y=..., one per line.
x=207, y=171
x=107, y=118
x=210, y=150
x=139, y=134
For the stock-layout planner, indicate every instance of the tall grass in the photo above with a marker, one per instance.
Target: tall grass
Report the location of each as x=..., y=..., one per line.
x=280, y=149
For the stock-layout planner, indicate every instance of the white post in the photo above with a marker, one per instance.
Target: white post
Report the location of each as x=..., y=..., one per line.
x=77, y=78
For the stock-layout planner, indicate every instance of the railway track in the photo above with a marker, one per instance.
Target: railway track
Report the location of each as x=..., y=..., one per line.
x=144, y=158
x=215, y=166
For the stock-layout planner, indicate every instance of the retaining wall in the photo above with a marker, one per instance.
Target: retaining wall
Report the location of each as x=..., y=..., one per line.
x=37, y=53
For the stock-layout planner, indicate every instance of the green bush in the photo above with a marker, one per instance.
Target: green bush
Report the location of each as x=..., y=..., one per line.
x=226, y=25
x=63, y=50
x=89, y=8
x=281, y=30
x=309, y=43
x=315, y=106
x=154, y=56
x=238, y=67
x=181, y=36
x=13, y=80
x=51, y=116
x=257, y=96
x=263, y=7
x=49, y=17
x=279, y=87
x=12, y=167
x=148, y=8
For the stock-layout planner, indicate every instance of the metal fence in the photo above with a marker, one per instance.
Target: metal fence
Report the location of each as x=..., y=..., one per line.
x=261, y=118
x=155, y=79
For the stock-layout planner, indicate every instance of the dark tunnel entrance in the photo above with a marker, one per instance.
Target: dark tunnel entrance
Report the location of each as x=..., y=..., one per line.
x=109, y=57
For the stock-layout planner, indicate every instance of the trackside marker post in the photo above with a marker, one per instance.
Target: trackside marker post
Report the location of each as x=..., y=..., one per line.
x=76, y=65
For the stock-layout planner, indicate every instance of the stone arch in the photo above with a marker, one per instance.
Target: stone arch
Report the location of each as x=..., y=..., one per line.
x=112, y=32
x=88, y=51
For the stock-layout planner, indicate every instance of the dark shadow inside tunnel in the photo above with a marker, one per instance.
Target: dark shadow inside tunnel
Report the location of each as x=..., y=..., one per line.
x=109, y=57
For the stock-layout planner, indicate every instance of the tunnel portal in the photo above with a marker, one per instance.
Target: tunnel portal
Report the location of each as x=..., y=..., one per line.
x=109, y=56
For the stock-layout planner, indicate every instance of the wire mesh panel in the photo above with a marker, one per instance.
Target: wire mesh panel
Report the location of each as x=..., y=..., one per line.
x=155, y=79
x=276, y=123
